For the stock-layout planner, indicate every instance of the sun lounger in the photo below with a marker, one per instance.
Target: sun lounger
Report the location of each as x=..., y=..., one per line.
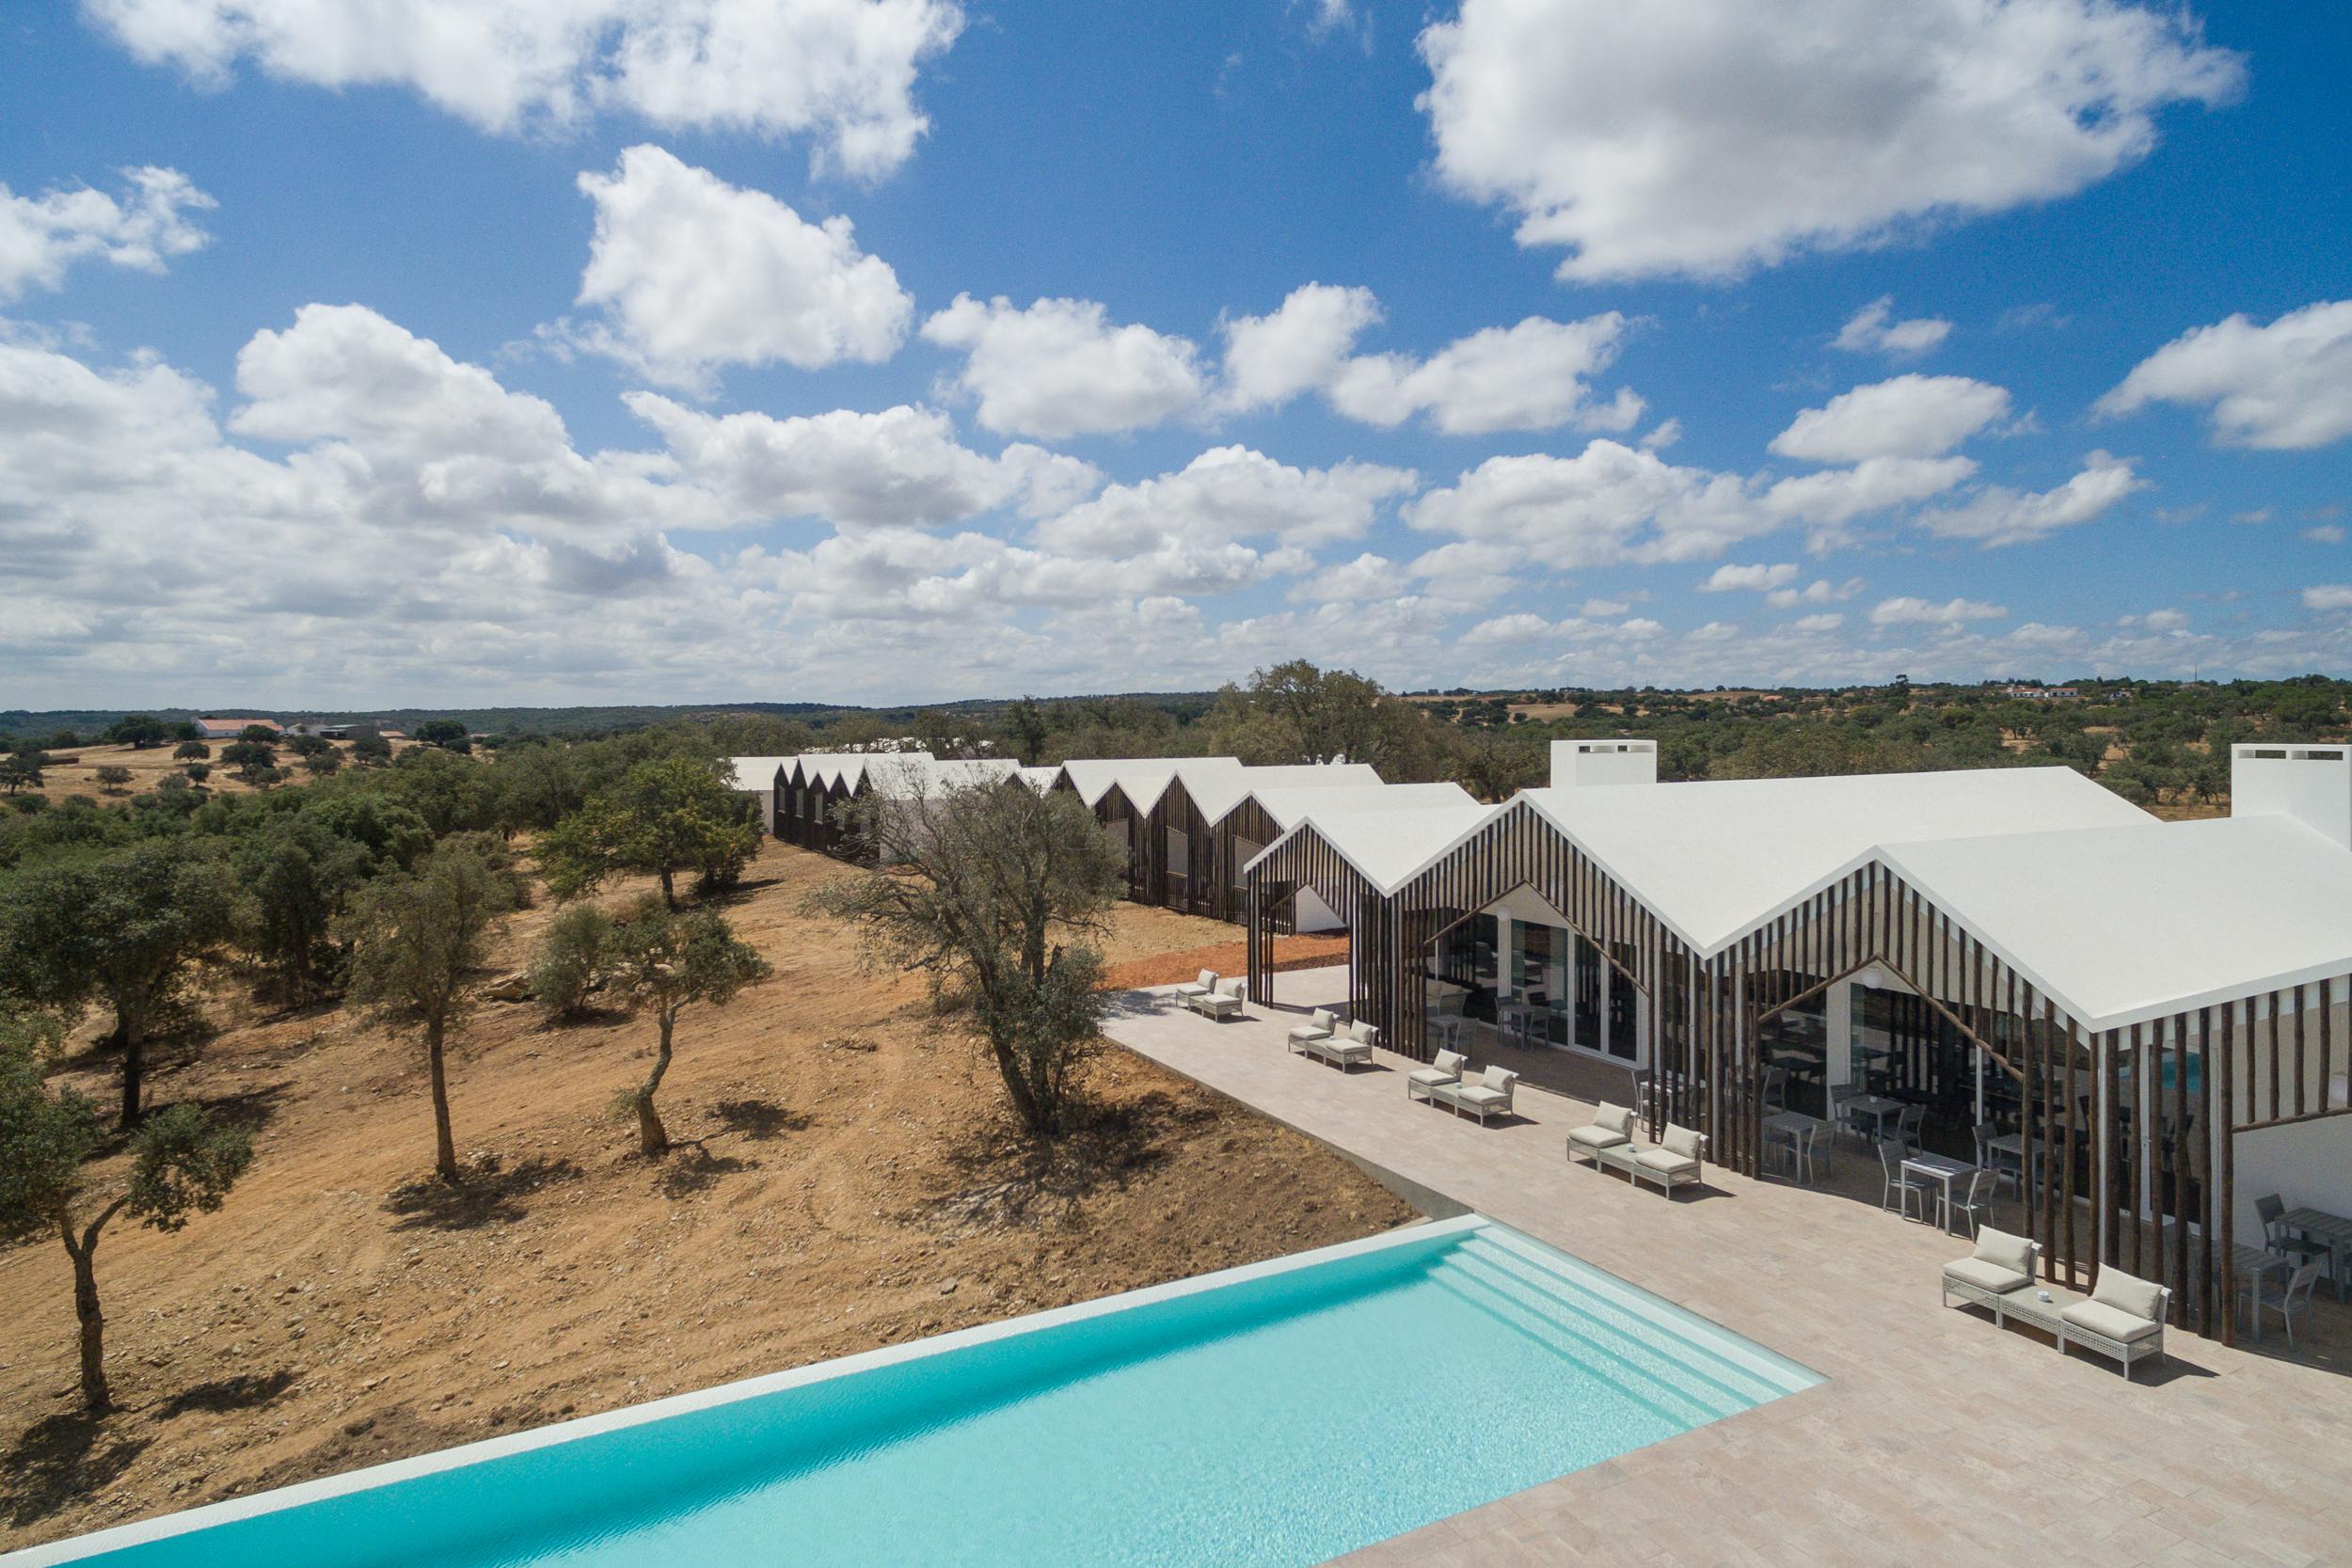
x=1611, y=1127
x=1219, y=1003
x=1677, y=1161
x=1201, y=987
x=1321, y=1025
x=2001, y=1263
x=2123, y=1318
x=1447, y=1068
x=1486, y=1095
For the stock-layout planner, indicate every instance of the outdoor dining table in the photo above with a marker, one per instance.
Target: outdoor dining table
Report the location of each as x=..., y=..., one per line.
x=2320, y=1226
x=2252, y=1263
x=1878, y=1107
x=1939, y=1168
x=1802, y=1133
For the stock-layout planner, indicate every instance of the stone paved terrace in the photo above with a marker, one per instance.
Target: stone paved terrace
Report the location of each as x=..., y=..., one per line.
x=1937, y=1439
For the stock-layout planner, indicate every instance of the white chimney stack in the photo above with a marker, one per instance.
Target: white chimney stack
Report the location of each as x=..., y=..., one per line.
x=1575, y=763
x=2311, y=783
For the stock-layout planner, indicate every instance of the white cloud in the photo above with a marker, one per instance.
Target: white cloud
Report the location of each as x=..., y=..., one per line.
x=40, y=236
x=1367, y=577
x=1608, y=504
x=1820, y=590
x=1060, y=368
x=1534, y=376
x=1227, y=493
x=1910, y=611
x=1663, y=435
x=1531, y=376
x=2328, y=595
x=2324, y=533
x=902, y=467
x=1752, y=580
x=1871, y=330
x=1297, y=349
x=692, y=274
x=1604, y=607
x=2284, y=386
x=1828, y=620
x=1999, y=515
x=1705, y=137
x=1835, y=496
x=1910, y=416
x=838, y=72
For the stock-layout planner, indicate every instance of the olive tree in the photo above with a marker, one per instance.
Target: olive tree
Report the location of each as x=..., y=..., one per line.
x=182, y=1165
x=988, y=889
x=125, y=929
x=416, y=938
x=663, y=962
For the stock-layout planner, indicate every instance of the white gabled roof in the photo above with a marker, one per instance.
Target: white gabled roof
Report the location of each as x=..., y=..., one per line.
x=1290, y=807
x=750, y=773
x=1216, y=790
x=1142, y=779
x=2118, y=924
x=1040, y=779
x=904, y=775
x=1715, y=859
x=1387, y=844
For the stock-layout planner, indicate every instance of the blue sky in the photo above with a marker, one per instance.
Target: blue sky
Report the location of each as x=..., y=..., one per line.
x=886, y=349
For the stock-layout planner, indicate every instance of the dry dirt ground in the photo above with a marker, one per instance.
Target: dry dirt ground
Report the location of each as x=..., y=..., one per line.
x=851, y=1180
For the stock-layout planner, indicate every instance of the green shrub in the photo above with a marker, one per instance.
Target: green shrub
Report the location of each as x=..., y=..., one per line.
x=568, y=958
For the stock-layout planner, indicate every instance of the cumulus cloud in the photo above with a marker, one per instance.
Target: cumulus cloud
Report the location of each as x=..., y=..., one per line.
x=1062, y=368
x=1534, y=376
x=1610, y=504
x=1227, y=494
x=1706, y=138
x=1837, y=495
x=840, y=72
x=1820, y=590
x=2328, y=595
x=1729, y=578
x=1367, y=577
x=1922, y=613
x=1297, y=349
x=1908, y=417
x=902, y=467
x=1873, y=331
x=1828, y=620
x=691, y=273
x=1997, y=515
x=2284, y=386
x=153, y=220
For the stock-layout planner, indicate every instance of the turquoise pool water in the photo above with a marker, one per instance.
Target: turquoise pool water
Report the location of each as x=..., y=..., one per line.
x=1269, y=1415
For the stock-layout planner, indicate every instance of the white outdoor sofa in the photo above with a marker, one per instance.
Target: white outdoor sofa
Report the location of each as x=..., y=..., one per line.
x=2123, y=1320
x=1483, y=1094
x=2001, y=1263
x=1201, y=987
x=1220, y=1002
x=1321, y=1025
x=1676, y=1160
x=1344, y=1045
x=1446, y=1068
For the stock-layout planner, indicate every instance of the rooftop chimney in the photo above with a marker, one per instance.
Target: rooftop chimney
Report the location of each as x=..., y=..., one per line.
x=2311, y=783
x=1575, y=763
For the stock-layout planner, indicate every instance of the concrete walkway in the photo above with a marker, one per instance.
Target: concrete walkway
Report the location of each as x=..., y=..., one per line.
x=1937, y=1439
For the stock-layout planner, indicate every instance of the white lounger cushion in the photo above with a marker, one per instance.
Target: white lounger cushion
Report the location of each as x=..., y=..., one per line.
x=1361, y=1032
x=2109, y=1323
x=1613, y=1118
x=2002, y=1250
x=1667, y=1162
x=1319, y=1025
x=2125, y=1293
x=1683, y=1143
x=1229, y=987
x=1989, y=1277
x=1475, y=1095
x=1594, y=1136
x=1447, y=1068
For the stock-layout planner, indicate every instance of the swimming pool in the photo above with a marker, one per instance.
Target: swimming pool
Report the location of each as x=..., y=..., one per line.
x=1279, y=1413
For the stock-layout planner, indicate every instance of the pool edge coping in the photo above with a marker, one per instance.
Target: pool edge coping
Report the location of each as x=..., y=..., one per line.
x=139, y=1533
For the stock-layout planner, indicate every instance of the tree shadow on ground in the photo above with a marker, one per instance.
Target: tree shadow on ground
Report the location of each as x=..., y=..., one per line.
x=246, y=1392
x=485, y=1195
x=759, y=1120
x=1005, y=1177
x=248, y=1109
x=59, y=1459
x=691, y=1168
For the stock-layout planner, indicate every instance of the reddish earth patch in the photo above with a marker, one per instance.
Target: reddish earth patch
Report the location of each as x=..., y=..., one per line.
x=1226, y=957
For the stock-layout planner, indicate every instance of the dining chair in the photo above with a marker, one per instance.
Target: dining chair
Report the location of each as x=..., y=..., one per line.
x=2003, y=1164
x=1907, y=1124
x=1900, y=1183
x=2272, y=1210
x=1974, y=1201
x=2287, y=1300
